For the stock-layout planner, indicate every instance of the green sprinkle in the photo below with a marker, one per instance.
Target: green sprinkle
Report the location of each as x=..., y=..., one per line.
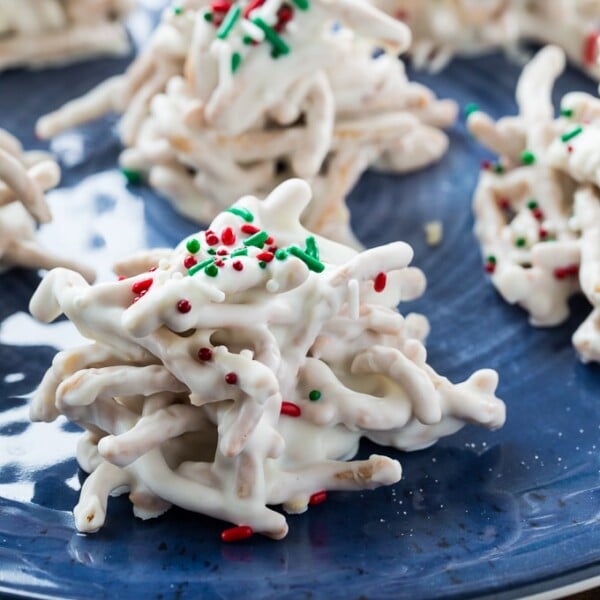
x=272, y=37
x=242, y=213
x=527, y=157
x=470, y=109
x=212, y=270
x=312, y=263
x=193, y=246
x=258, y=239
x=262, y=264
x=236, y=61
x=208, y=16
x=281, y=254
x=491, y=259
x=532, y=205
x=571, y=134
x=302, y=4
x=233, y=14
x=520, y=242
x=177, y=10
x=239, y=252
x=247, y=40
x=200, y=266
x=212, y=251
x=498, y=168
x=311, y=247
x=314, y=395
x=567, y=112
x=133, y=177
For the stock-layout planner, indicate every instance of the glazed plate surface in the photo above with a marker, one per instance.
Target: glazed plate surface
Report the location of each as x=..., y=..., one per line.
x=507, y=513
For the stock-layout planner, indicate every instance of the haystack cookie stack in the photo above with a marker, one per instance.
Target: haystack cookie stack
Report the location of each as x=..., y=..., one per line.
x=37, y=33
x=235, y=97
x=240, y=370
x=24, y=177
x=445, y=28
x=537, y=210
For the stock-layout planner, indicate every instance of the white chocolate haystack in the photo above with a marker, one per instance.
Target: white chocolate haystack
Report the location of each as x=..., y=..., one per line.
x=38, y=33
x=241, y=370
x=235, y=97
x=537, y=210
x=24, y=177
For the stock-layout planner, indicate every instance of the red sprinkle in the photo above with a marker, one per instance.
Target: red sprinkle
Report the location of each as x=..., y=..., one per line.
x=238, y=265
x=564, y=272
x=184, y=306
x=569, y=149
x=572, y=269
x=285, y=14
x=504, y=203
x=490, y=267
x=222, y=252
x=152, y=269
x=269, y=241
x=231, y=378
x=486, y=165
x=265, y=256
x=538, y=213
x=219, y=263
x=228, y=237
x=318, y=498
x=249, y=229
x=189, y=262
x=237, y=534
x=143, y=285
x=272, y=249
x=290, y=409
x=543, y=233
x=121, y=277
x=211, y=239
x=251, y=6
x=220, y=5
x=380, y=282
x=205, y=354
x=590, y=48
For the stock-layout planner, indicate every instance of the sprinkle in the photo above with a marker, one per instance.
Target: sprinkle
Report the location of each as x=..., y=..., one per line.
x=538, y=213
x=220, y=262
x=527, y=157
x=318, y=498
x=236, y=61
x=258, y=239
x=193, y=246
x=490, y=264
x=205, y=354
x=567, y=112
x=240, y=252
x=285, y=14
x=520, y=242
x=486, y=165
x=211, y=270
x=262, y=264
x=302, y=4
x=222, y=252
x=312, y=263
x=220, y=5
x=228, y=22
x=499, y=168
x=152, y=269
x=543, y=233
x=208, y=16
x=133, y=177
x=177, y=10
x=281, y=254
x=470, y=109
x=249, y=229
x=311, y=247
x=189, y=262
x=242, y=213
x=590, y=48
x=211, y=251
x=211, y=238
x=532, y=205
x=121, y=277
x=231, y=378
x=265, y=256
x=238, y=265
x=566, y=137
x=279, y=46
x=380, y=282
x=314, y=395
x=200, y=266
x=504, y=203
x=184, y=306
x=290, y=409
x=251, y=6
x=227, y=236
x=143, y=285
x=491, y=259
x=236, y=534
x=269, y=241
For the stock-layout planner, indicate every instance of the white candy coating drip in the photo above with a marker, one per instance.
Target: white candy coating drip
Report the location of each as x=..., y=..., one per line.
x=38, y=33
x=208, y=116
x=24, y=177
x=443, y=29
x=248, y=383
x=540, y=222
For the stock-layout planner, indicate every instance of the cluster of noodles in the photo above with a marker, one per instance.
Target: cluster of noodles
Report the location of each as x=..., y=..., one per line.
x=240, y=370
x=232, y=98
x=24, y=177
x=37, y=33
x=444, y=28
x=538, y=210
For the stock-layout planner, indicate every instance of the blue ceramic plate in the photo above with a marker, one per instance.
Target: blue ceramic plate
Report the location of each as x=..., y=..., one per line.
x=479, y=514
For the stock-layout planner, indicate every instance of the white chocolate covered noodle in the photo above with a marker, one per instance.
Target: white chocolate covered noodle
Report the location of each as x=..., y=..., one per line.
x=24, y=177
x=240, y=371
x=37, y=33
x=537, y=210
x=445, y=28
x=230, y=98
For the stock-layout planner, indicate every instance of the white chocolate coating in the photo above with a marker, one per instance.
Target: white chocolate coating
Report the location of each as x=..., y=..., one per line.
x=445, y=28
x=247, y=379
x=24, y=177
x=538, y=224
x=38, y=33
x=204, y=132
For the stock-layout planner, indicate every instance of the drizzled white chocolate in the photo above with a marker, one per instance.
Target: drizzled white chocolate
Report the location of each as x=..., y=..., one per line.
x=37, y=33
x=217, y=105
x=445, y=28
x=538, y=210
x=242, y=370
x=24, y=177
